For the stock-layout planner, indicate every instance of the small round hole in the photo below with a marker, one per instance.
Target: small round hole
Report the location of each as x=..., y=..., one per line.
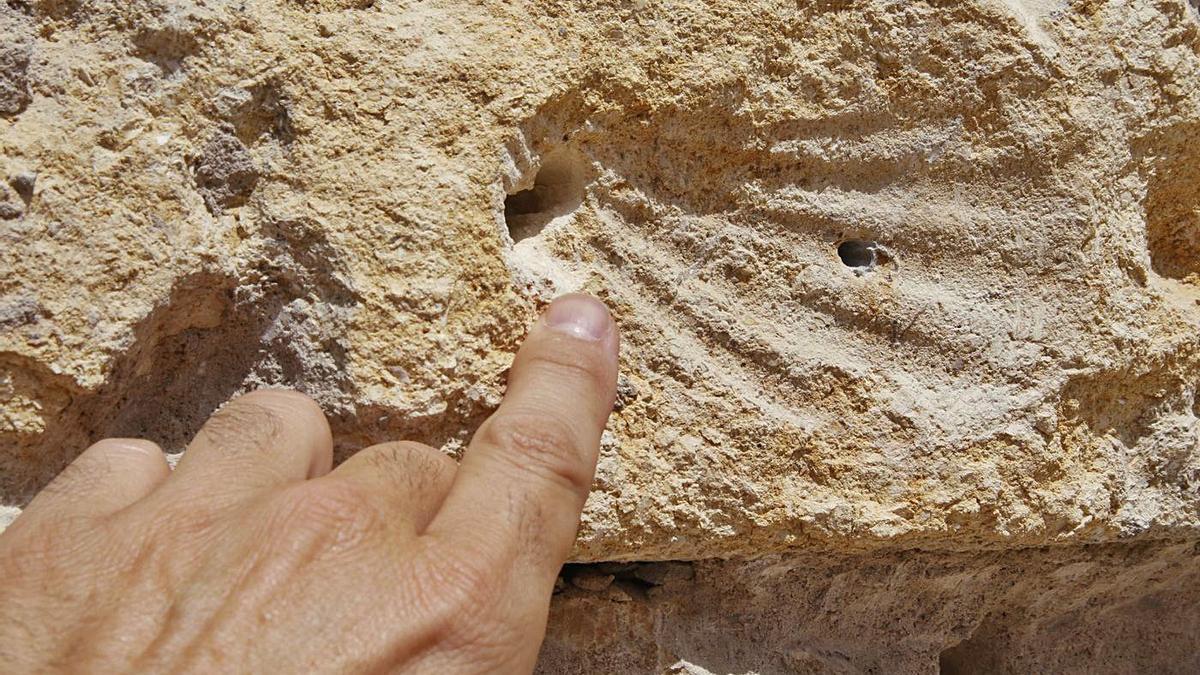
x=857, y=253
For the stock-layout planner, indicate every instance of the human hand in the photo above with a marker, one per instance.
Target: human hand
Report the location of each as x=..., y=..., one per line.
x=253, y=556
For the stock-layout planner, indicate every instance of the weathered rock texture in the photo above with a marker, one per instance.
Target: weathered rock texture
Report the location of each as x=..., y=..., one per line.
x=891, y=275
x=1098, y=609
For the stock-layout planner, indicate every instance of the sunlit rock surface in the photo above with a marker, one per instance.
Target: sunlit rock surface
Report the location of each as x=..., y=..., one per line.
x=891, y=276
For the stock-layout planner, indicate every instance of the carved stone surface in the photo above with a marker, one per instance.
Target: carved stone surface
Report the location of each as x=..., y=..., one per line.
x=890, y=275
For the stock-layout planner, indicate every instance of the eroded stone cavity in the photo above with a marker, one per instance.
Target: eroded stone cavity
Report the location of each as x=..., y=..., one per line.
x=370, y=201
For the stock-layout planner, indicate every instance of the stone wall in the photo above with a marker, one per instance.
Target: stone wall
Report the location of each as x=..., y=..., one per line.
x=909, y=290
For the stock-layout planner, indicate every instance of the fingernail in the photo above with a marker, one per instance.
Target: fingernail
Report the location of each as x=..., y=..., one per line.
x=580, y=316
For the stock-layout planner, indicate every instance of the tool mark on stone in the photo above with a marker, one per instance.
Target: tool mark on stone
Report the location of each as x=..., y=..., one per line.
x=1119, y=403
x=743, y=358
x=678, y=249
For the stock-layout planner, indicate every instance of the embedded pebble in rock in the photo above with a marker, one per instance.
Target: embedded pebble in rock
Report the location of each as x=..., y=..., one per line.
x=890, y=276
x=23, y=184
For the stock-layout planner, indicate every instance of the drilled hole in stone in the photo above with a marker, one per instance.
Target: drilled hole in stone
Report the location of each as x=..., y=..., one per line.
x=858, y=253
x=557, y=190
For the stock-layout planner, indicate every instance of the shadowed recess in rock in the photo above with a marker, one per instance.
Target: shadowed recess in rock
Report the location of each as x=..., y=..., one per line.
x=558, y=189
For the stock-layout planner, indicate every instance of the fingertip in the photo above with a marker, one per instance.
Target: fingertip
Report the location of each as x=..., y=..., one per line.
x=529, y=467
x=580, y=316
x=581, y=327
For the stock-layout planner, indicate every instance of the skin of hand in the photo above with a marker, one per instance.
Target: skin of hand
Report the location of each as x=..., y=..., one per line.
x=254, y=556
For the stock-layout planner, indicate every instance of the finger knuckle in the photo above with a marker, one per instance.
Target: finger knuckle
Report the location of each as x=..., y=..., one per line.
x=410, y=463
x=466, y=583
x=458, y=596
x=544, y=444
x=243, y=426
x=44, y=547
x=291, y=396
x=107, y=446
x=326, y=509
x=85, y=473
x=124, y=454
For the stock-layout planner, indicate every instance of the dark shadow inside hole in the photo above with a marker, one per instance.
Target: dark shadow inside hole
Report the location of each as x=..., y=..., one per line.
x=980, y=652
x=557, y=190
x=857, y=253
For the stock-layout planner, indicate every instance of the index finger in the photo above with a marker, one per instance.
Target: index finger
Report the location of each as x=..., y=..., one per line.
x=521, y=486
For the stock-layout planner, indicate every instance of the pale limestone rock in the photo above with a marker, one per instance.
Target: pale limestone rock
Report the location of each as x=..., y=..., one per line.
x=369, y=201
